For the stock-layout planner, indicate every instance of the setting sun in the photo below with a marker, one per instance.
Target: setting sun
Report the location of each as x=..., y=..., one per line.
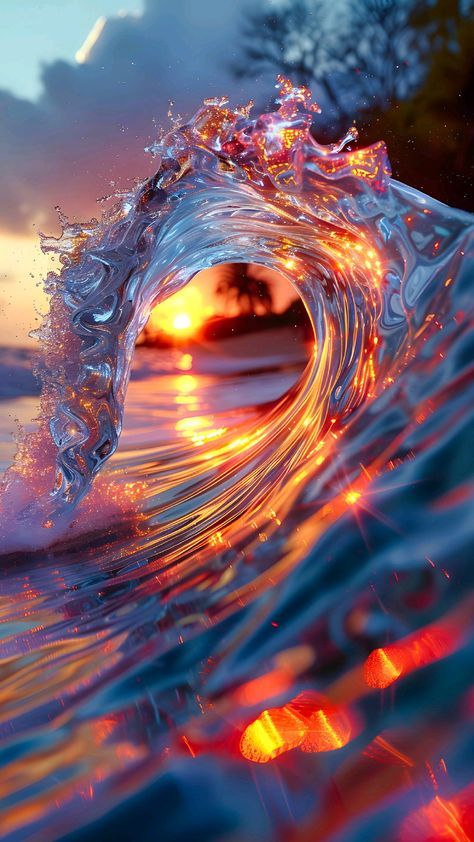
x=181, y=315
x=182, y=322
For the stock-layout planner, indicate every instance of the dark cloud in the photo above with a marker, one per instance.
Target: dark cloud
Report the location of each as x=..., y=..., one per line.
x=92, y=120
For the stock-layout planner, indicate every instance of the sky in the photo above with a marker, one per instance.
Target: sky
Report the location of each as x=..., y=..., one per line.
x=77, y=110
x=34, y=32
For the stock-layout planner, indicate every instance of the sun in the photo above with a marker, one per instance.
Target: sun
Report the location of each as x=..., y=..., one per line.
x=182, y=314
x=182, y=322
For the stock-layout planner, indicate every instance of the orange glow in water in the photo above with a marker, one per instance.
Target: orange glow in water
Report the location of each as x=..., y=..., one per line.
x=442, y=820
x=381, y=669
x=275, y=731
x=386, y=665
x=327, y=730
x=309, y=722
x=352, y=497
x=264, y=687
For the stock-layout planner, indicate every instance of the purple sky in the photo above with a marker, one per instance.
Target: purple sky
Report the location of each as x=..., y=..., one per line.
x=91, y=120
x=74, y=120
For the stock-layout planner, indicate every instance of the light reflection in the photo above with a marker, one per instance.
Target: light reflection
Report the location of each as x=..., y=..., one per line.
x=309, y=722
x=185, y=362
x=442, y=820
x=262, y=516
x=387, y=664
x=186, y=383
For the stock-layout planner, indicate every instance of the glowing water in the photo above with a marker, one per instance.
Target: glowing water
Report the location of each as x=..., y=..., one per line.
x=286, y=542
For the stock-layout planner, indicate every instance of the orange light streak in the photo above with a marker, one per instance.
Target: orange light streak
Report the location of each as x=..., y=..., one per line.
x=309, y=722
x=272, y=684
x=443, y=820
x=386, y=665
x=328, y=730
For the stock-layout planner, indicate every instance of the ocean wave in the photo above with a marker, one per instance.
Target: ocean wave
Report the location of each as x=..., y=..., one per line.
x=149, y=587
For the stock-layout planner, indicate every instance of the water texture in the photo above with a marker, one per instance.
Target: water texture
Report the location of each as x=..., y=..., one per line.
x=253, y=619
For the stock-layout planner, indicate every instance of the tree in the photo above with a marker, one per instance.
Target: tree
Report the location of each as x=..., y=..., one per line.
x=403, y=67
x=375, y=56
x=237, y=287
x=385, y=51
x=291, y=40
x=435, y=124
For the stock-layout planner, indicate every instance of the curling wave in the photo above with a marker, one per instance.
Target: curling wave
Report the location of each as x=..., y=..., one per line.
x=160, y=578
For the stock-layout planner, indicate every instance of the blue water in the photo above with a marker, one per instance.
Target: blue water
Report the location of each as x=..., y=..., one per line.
x=283, y=519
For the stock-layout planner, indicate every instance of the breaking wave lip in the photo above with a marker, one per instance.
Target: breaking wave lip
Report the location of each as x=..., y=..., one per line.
x=196, y=535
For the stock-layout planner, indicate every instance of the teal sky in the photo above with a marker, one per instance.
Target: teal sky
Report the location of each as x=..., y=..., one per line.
x=33, y=32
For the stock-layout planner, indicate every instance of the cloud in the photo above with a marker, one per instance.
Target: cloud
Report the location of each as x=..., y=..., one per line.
x=94, y=117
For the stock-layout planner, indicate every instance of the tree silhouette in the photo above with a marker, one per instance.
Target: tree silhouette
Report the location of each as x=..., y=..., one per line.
x=374, y=57
x=291, y=40
x=251, y=296
x=385, y=50
x=435, y=124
